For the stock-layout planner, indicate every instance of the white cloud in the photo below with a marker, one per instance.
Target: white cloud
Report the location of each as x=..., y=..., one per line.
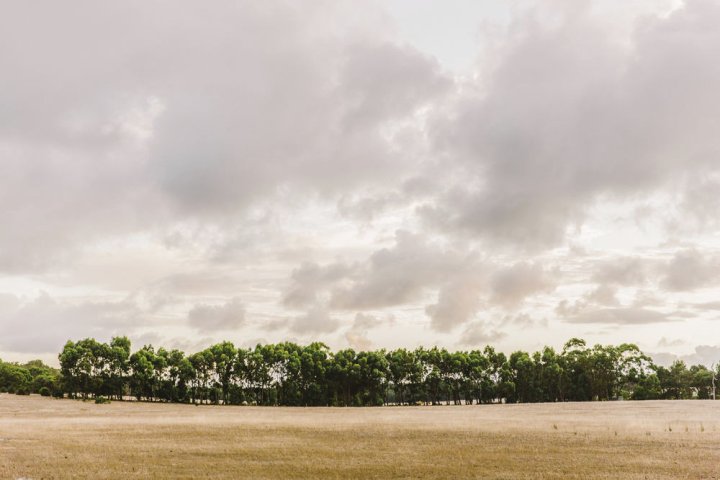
x=43, y=324
x=314, y=162
x=317, y=320
x=227, y=316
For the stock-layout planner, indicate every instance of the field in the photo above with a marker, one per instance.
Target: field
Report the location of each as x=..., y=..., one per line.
x=43, y=438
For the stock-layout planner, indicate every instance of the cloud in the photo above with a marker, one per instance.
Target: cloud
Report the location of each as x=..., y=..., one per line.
x=309, y=279
x=357, y=335
x=199, y=114
x=707, y=355
x=358, y=341
x=311, y=161
x=569, y=116
x=513, y=284
x=317, y=320
x=43, y=324
x=665, y=342
x=709, y=306
x=228, y=316
x=458, y=302
x=621, y=316
x=8, y=302
x=690, y=269
x=364, y=321
x=399, y=274
x=621, y=271
x=478, y=333
x=384, y=82
x=603, y=295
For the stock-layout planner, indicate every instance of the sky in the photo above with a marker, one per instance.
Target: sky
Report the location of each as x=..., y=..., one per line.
x=374, y=174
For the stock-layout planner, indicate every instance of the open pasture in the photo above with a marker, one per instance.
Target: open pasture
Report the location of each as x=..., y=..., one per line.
x=42, y=438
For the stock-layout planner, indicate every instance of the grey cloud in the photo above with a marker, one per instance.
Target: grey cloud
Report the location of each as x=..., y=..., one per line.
x=458, y=302
x=365, y=208
x=364, y=321
x=707, y=355
x=308, y=280
x=701, y=203
x=230, y=315
x=479, y=333
x=665, y=342
x=600, y=305
x=327, y=96
x=357, y=335
x=358, y=341
x=604, y=295
x=8, y=302
x=709, y=306
x=620, y=316
x=194, y=116
x=690, y=269
x=622, y=271
x=686, y=270
x=197, y=282
x=415, y=266
x=513, y=284
x=385, y=82
x=570, y=116
x=646, y=298
x=44, y=324
x=399, y=274
x=402, y=274
x=202, y=136
x=316, y=321
x=523, y=320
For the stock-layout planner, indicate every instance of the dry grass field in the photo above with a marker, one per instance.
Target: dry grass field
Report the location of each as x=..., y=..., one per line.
x=42, y=438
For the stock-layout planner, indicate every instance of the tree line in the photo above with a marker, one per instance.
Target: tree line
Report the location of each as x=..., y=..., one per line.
x=31, y=377
x=312, y=375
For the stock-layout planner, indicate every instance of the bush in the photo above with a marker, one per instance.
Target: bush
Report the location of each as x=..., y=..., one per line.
x=22, y=391
x=101, y=400
x=44, y=391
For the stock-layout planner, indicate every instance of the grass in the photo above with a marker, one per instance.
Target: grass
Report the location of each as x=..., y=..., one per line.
x=47, y=438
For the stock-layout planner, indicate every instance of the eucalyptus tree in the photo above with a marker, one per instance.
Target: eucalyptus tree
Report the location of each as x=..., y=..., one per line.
x=291, y=374
x=372, y=373
x=405, y=376
x=344, y=378
x=475, y=376
x=576, y=365
x=118, y=365
x=142, y=378
x=553, y=376
x=314, y=361
x=222, y=365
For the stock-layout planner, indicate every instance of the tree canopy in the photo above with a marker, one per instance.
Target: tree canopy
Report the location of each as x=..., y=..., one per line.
x=312, y=375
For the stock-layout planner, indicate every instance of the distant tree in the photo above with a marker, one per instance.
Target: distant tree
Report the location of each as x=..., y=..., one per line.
x=309, y=375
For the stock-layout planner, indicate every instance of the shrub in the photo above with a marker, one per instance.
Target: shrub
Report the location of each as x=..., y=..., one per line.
x=44, y=391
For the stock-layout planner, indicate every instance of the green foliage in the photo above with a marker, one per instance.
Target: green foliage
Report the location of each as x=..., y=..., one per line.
x=312, y=375
x=31, y=377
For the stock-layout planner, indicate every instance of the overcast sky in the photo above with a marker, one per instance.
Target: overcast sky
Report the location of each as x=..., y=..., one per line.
x=367, y=174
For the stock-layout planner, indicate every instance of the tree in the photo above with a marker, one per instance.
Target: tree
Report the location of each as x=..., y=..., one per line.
x=291, y=374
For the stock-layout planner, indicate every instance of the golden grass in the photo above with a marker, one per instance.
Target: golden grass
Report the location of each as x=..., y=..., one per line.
x=42, y=438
